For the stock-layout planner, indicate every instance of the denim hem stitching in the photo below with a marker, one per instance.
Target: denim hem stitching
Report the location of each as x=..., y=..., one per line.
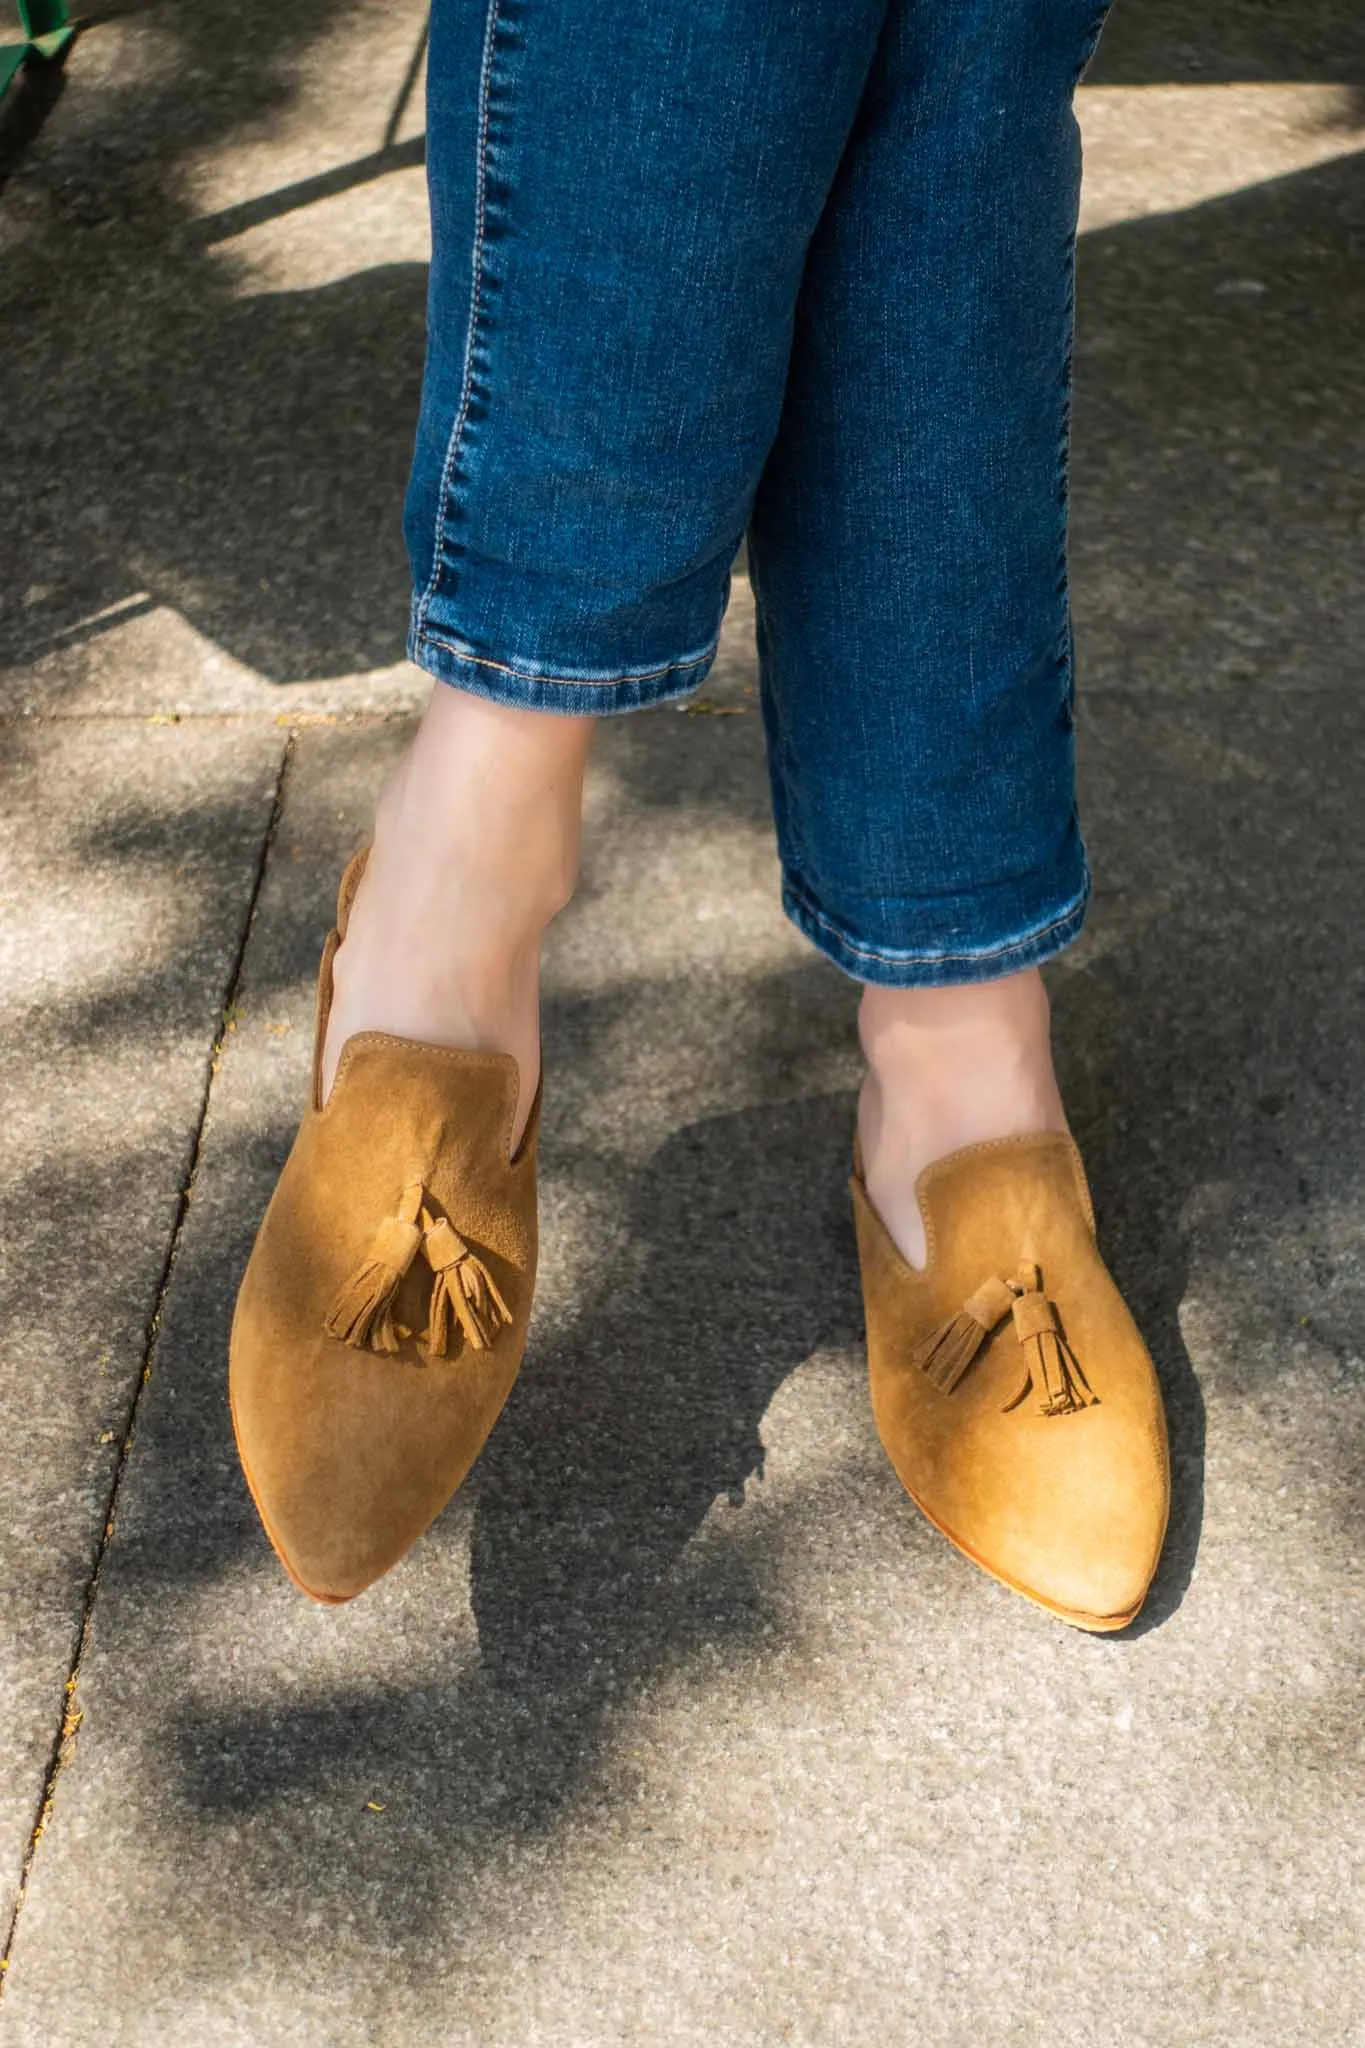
x=1030, y=938
x=423, y=637
x=475, y=306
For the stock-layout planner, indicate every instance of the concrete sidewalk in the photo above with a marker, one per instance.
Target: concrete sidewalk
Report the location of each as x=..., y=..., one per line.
x=681, y=1727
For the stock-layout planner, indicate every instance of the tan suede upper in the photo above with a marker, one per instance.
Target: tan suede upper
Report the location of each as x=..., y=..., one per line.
x=350, y=1450
x=1047, y=1461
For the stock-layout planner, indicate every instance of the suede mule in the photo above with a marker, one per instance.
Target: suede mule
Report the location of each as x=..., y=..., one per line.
x=382, y=1316
x=1010, y=1386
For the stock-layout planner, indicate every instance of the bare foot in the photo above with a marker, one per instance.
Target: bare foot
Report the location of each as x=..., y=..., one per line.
x=948, y=1067
x=475, y=850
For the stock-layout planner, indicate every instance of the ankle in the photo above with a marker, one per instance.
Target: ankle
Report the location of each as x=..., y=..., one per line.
x=989, y=1041
x=481, y=818
x=948, y=1068
x=474, y=852
x=475, y=845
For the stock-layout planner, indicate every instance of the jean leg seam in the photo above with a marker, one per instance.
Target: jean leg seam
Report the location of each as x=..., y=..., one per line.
x=475, y=310
x=781, y=755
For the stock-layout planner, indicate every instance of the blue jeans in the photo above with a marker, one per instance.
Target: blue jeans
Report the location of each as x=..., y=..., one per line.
x=801, y=270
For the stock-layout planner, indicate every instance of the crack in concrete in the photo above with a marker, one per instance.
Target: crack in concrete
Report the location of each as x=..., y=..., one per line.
x=68, y=1726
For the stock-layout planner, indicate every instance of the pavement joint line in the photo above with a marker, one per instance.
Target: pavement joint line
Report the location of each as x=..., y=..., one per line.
x=401, y=714
x=68, y=1725
x=284, y=719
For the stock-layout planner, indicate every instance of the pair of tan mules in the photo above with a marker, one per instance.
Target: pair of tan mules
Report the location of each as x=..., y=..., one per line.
x=383, y=1313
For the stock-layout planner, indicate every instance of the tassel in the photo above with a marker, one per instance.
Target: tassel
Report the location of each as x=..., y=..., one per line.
x=945, y=1354
x=1054, y=1372
x=362, y=1314
x=463, y=1291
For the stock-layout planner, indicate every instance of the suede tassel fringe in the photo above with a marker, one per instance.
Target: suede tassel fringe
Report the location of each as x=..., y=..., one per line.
x=947, y=1351
x=1052, y=1370
x=463, y=1292
x=362, y=1314
x=465, y=1306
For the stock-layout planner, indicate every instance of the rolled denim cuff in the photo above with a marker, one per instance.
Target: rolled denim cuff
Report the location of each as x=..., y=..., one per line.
x=875, y=957
x=531, y=686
